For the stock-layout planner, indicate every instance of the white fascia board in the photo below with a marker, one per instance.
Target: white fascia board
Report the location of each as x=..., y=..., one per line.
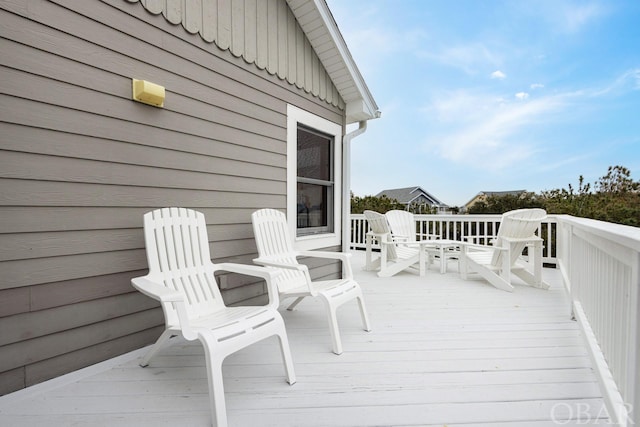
x=364, y=108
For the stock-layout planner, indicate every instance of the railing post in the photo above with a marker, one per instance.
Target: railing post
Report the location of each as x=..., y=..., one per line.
x=634, y=358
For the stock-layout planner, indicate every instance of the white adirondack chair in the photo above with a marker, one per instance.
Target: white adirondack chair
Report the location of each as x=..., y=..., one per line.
x=396, y=255
x=275, y=250
x=403, y=230
x=495, y=263
x=181, y=277
x=402, y=225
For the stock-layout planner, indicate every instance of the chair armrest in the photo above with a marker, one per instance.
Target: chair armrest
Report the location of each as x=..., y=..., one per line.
x=468, y=247
x=248, y=270
x=165, y=295
x=342, y=256
x=287, y=266
x=253, y=270
x=388, y=239
x=279, y=264
x=530, y=239
x=376, y=236
x=325, y=254
x=156, y=291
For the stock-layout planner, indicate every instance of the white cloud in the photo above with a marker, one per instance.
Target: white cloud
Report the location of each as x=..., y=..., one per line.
x=631, y=77
x=557, y=163
x=374, y=47
x=564, y=17
x=575, y=18
x=498, y=75
x=522, y=95
x=462, y=106
x=629, y=80
x=535, y=86
x=484, y=131
x=467, y=57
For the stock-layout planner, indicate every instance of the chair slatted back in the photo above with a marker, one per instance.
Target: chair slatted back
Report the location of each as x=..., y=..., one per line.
x=521, y=224
x=402, y=223
x=379, y=225
x=274, y=243
x=178, y=256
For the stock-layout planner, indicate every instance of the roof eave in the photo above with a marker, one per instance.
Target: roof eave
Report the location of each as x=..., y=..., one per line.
x=360, y=105
x=359, y=110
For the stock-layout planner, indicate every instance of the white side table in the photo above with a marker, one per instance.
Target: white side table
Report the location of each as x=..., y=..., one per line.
x=445, y=249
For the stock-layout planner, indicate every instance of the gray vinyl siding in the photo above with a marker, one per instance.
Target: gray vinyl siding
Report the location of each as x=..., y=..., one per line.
x=80, y=163
x=262, y=32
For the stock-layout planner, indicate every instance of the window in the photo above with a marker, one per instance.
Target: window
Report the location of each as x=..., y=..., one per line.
x=314, y=181
x=314, y=168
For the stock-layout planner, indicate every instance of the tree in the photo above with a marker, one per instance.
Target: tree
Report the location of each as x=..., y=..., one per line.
x=561, y=201
x=615, y=198
x=378, y=204
x=617, y=181
x=501, y=204
x=618, y=197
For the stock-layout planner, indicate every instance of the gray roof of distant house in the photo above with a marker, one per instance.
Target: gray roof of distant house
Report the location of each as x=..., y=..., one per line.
x=408, y=195
x=502, y=193
x=497, y=194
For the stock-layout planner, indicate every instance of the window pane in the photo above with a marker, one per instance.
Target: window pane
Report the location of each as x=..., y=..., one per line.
x=313, y=205
x=314, y=155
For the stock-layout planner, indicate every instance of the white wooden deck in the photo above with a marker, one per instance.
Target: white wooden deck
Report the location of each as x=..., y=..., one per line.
x=442, y=352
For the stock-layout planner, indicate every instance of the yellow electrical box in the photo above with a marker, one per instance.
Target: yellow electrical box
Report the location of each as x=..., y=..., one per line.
x=148, y=93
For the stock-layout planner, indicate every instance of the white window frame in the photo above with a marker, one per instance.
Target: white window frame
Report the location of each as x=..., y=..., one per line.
x=297, y=116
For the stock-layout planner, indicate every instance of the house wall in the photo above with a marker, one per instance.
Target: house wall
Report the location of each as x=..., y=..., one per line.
x=262, y=32
x=476, y=199
x=80, y=163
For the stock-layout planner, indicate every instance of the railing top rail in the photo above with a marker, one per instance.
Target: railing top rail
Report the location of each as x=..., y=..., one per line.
x=464, y=217
x=625, y=235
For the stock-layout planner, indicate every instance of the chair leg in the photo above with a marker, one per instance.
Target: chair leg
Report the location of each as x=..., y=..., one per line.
x=531, y=279
x=286, y=356
x=216, y=387
x=293, y=304
x=333, y=324
x=399, y=266
x=363, y=313
x=168, y=333
x=463, y=267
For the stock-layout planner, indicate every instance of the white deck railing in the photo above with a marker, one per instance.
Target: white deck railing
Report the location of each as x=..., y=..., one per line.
x=479, y=229
x=600, y=264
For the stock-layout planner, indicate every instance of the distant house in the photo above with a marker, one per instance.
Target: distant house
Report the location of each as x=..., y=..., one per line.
x=257, y=99
x=414, y=196
x=482, y=196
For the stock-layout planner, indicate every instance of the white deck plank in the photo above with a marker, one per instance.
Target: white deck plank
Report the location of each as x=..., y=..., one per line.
x=442, y=352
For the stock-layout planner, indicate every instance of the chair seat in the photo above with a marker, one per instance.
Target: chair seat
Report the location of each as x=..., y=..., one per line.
x=405, y=252
x=234, y=320
x=481, y=257
x=318, y=286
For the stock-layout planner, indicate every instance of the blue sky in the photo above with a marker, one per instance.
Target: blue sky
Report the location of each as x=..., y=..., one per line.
x=494, y=95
